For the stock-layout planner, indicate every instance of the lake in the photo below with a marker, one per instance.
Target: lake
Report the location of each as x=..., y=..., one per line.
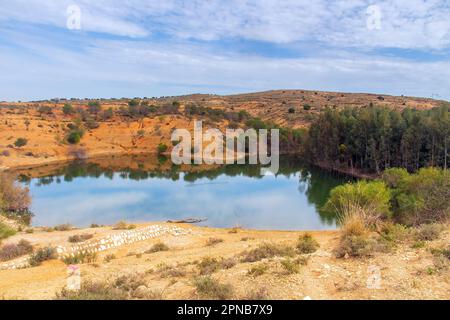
x=144, y=188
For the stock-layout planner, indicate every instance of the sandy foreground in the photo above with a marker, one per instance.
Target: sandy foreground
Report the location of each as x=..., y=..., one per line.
x=404, y=272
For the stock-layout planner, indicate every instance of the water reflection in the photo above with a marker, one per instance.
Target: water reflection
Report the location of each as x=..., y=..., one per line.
x=140, y=189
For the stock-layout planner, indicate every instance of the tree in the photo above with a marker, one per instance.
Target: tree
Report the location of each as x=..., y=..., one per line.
x=162, y=148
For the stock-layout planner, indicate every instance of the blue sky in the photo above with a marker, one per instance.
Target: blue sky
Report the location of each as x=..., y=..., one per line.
x=154, y=48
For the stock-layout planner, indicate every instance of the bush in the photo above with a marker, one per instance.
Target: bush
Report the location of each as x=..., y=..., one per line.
x=373, y=197
x=20, y=142
x=291, y=110
x=162, y=148
x=79, y=258
x=422, y=197
x=157, y=247
x=213, y=241
x=93, y=291
x=14, y=199
x=429, y=232
x=68, y=109
x=290, y=266
x=80, y=238
x=171, y=271
x=258, y=270
x=11, y=251
x=41, y=255
x=306, y=107
x=357, y=246
x=6, y=231
x=63, y=227
x=267, y=250
x=74, y=137
x=209, y=288
x=109, y=257
x=307, y=244
x=122, y=225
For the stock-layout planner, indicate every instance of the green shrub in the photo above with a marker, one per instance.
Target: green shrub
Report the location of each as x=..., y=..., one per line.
x=209, y=288
x=306, y=107
x=68, y=109
x=421, y=197
x=6, y=231
x=162, y=148
x=74, y=137
x=307, y=244
x=373, y=196
x=290, y=266
x=20, y=142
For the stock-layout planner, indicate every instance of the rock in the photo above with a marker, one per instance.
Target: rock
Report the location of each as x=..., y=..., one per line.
x=346, y=256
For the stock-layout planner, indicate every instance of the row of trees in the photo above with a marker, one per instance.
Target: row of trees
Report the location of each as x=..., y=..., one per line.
x=377, y=138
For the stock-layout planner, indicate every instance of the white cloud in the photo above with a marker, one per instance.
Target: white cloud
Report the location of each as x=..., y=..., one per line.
x=404, y=23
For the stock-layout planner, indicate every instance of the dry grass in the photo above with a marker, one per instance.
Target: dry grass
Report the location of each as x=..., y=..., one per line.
x=122, y=225
x=12, y=251
x=210, y=288
x=258, y=270
x=267, y=250
x=80, y=237
x=213, y=241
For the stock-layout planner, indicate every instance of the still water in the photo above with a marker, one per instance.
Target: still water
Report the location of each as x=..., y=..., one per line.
x=105, y=192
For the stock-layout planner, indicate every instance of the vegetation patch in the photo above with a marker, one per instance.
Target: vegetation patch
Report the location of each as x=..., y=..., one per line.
x=157, y=247
x=12, y=251
x=213, y=241
x=210, y=288
x=82, y=257
x=80, y=237
x=265, y=251
x=41, y=255
x=258, y=270
x=307, y=244
x=6, y=231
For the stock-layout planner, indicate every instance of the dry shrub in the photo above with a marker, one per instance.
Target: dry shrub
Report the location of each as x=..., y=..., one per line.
x=122, y=225
x=166, y=271
x=41, y=255
x=12, y=251
x=93, y=291
x=429, y=232
x=81, y=258
x=210, y=265
x=109, y=257
x=210, y=288
x=80, y=237
x=257, y=294
x=157, y=247
x=129, y=282
x=258, y=270
x=356, y=240
x=13, y=196
x=307, y=244
x=290, y=266
x=265, y=251
x=213, y=241
x=63, y=227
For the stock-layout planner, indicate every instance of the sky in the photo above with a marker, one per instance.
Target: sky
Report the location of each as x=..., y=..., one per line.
x=137, y=48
